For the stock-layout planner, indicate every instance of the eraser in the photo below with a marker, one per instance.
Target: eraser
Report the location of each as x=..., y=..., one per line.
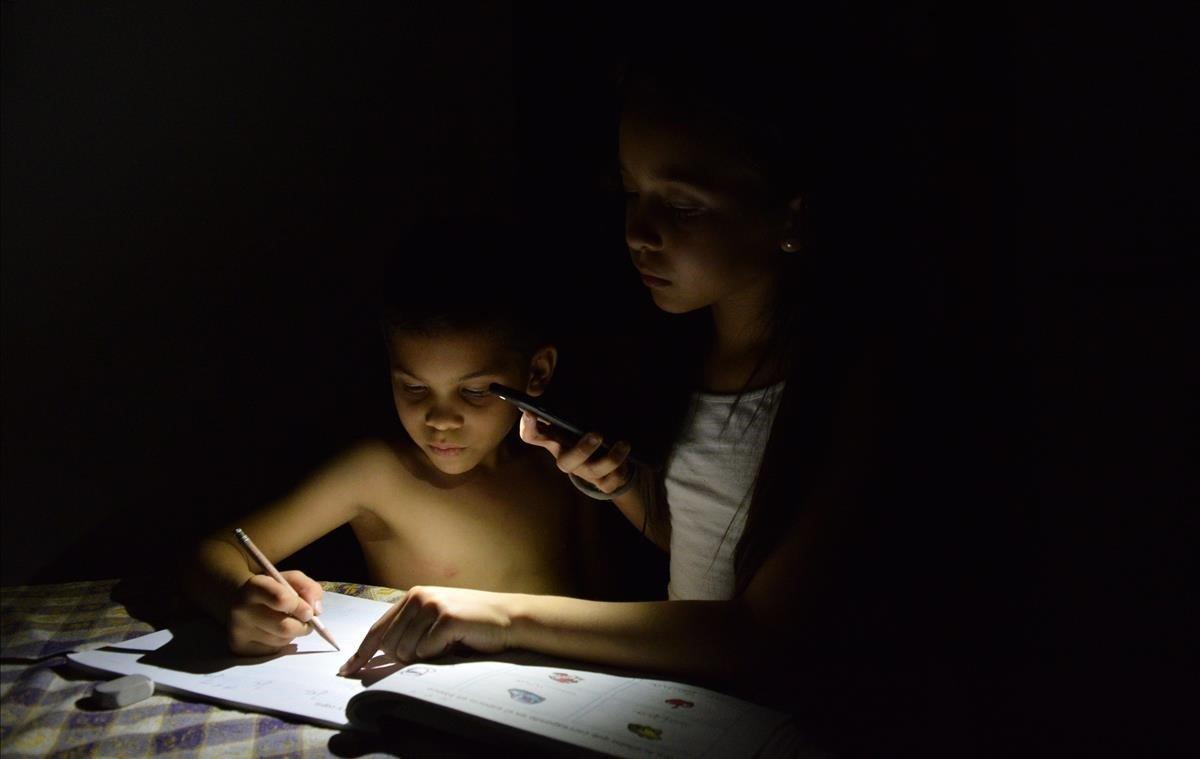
x=123, y=691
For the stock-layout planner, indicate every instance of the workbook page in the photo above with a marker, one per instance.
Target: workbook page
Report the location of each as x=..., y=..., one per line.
x=302, y=681
x=623, y=716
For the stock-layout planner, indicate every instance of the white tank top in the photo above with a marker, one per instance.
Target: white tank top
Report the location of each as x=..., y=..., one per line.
x=709, y=480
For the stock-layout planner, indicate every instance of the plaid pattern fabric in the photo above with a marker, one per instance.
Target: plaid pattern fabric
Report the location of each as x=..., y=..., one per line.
x=45, y=704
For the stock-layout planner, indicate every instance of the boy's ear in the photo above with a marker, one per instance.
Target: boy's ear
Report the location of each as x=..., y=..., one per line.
x=541, y=369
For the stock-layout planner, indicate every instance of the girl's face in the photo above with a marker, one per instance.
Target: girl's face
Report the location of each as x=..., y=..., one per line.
x=697, y=221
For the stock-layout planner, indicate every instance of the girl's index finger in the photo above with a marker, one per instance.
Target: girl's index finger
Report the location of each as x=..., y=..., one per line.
x=532, y=432
x=371, y=642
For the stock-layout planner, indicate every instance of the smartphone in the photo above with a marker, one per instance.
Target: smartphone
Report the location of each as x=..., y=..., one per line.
x=526, y=403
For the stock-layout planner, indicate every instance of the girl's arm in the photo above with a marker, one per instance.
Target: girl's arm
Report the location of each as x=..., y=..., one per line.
x=223, y=580
x=607, y=473
x=725, y=641
x=735, y=642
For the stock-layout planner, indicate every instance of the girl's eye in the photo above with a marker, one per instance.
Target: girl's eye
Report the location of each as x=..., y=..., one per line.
x=414, y=389
x=474, y=394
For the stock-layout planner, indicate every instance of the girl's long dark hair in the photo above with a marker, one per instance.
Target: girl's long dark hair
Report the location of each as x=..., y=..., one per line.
x=797, y=138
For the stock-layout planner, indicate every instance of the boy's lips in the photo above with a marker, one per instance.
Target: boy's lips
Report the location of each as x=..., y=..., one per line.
x=446, y=450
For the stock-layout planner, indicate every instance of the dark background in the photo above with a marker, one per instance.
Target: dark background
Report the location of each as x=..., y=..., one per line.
x=194, y=196
x=194, y=199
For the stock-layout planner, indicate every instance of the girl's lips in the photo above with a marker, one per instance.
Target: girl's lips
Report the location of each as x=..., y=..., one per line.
x=448, y=450
x=652, y=281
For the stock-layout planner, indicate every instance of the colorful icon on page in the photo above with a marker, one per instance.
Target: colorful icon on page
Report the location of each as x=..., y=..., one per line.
x=563, y=677
x=645, y=731
x=679, y=703
x=524, y=696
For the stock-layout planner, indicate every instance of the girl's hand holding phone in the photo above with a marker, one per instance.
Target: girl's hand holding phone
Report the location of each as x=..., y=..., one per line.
x=607, y=473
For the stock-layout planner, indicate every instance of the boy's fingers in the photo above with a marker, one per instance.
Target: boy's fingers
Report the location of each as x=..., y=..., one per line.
x=264, y=590
x=279, y=625
x=306, y=587
x=267, y=638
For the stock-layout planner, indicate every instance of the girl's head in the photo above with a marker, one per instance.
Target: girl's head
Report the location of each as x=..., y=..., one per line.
x=743, y=168
x=452, y=327
x=716, y=162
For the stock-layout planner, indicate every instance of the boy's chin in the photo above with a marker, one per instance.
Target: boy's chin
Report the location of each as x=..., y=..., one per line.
x=451, y=465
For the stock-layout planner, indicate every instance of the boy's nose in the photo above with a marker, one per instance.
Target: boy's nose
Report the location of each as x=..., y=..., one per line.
x=443, y=419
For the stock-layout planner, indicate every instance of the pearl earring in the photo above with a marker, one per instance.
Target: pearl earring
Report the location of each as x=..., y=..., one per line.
x=790, y=245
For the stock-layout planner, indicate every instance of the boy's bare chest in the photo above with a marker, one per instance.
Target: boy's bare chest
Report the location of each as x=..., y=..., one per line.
x=481, y=536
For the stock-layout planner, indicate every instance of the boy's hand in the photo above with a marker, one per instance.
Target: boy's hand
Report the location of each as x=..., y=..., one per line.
x=606, y=473
x=428, y=622
x=266, y=616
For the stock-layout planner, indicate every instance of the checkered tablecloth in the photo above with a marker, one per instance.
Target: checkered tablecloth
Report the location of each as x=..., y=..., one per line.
x=45, y=708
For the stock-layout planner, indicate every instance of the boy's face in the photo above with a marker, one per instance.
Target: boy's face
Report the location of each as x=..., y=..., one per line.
x=695, y=218
x=439, y=385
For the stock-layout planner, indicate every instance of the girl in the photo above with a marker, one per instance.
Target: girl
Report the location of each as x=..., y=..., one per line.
x=761, y=482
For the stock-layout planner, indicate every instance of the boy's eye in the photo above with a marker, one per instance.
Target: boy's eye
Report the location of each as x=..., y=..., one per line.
x=475, y=394
x=687, y=212
x=414, y=389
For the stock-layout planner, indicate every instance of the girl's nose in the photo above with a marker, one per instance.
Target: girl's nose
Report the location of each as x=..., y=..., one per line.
x=640, y=231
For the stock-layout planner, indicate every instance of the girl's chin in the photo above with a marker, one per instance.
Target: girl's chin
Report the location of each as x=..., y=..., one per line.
x=673, y=305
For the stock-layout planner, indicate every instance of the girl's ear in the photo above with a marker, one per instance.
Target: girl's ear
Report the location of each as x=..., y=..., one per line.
x=541, y=369
x=793, y=227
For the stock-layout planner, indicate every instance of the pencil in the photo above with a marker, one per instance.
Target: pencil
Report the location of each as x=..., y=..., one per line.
x=270, y=569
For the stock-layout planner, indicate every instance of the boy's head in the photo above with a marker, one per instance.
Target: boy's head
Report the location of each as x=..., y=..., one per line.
x=454, y=322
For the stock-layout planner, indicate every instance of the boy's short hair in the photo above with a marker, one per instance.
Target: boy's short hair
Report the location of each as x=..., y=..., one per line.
x=455, y=274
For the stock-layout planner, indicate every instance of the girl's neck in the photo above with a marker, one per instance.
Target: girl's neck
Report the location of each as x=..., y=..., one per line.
x=740, y=340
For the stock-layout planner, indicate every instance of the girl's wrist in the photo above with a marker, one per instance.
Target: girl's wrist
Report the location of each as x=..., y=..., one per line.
x=520, y=620
x=592, y=491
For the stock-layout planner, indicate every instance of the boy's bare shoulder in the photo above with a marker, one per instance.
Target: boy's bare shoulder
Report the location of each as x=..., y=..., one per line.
x=541, y=467
x=377, y=462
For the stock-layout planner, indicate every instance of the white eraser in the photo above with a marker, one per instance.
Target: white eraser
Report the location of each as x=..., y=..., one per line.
x=123, y=691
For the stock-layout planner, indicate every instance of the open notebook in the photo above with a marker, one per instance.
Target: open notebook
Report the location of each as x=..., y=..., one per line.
x=519, y=694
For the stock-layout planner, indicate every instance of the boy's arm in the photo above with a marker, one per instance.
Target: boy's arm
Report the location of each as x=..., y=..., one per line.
x=218, y=568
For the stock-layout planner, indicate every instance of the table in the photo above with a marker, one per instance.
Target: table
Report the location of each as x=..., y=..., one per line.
x=45, y=703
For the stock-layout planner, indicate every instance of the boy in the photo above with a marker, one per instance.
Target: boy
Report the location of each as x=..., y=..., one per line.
x=458, y=503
